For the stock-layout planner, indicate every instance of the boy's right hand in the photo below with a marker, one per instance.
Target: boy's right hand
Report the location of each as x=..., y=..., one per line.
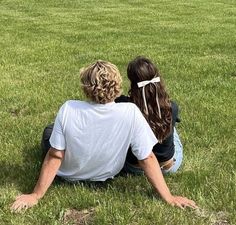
x=24, y=202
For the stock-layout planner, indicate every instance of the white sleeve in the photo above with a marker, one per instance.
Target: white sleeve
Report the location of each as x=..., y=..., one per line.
x=57, y=139
x=143, y=138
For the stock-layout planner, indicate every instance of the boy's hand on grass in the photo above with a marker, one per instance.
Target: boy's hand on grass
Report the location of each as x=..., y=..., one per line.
x=182, y=202
x=24, y=202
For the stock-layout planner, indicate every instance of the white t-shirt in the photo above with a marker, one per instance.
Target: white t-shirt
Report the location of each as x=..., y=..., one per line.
x=96, y=138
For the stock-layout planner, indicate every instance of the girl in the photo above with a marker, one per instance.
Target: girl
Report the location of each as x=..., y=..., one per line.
x=148, y=92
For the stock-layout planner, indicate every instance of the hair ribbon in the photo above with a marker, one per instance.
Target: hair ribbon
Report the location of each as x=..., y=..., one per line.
x=142, y=85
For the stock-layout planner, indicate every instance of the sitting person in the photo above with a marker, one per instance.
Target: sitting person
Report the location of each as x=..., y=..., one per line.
x=148, y=92
x=90, y=139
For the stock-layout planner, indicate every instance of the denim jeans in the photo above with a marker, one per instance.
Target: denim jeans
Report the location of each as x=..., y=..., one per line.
x=178, y=155
x=178, y=158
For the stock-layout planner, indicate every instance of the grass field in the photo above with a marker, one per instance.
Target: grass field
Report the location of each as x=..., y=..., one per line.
x=44, y=43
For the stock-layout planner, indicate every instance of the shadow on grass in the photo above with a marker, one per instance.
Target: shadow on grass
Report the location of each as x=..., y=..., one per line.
x=22, y=175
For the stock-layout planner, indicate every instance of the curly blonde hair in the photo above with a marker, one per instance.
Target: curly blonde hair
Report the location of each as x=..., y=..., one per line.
x=101, y=82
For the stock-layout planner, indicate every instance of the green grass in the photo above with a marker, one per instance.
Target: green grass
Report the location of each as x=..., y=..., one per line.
x=43, y=46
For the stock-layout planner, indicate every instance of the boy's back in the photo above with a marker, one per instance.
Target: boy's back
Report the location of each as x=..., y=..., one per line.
x=96, y=138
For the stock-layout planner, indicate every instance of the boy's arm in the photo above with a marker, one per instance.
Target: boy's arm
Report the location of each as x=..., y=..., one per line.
x=48, y=172
x=153, y=172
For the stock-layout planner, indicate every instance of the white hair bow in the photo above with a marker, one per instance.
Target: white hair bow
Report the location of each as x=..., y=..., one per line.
x=143, y=84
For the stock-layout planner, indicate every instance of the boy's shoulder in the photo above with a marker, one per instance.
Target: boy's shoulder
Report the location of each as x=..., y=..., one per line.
x=74, y=104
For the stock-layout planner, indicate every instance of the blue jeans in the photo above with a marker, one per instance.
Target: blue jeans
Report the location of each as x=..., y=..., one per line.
x=178, y=158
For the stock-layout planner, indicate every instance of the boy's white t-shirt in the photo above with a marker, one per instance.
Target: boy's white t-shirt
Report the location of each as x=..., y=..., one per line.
x=96, y=138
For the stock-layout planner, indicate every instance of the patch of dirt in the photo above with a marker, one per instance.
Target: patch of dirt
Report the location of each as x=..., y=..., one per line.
x=14, y=112
x=220, y=219
x=216, y=218
x=78, y=217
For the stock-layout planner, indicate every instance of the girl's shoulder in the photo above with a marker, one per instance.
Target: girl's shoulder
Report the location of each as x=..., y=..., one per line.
x=175, y=111
x=122, y=98
x=174, y=105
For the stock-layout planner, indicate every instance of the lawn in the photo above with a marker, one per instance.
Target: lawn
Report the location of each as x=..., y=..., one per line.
x=44, y=44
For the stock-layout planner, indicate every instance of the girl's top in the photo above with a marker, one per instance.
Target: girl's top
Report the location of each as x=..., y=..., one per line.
x=163, y=151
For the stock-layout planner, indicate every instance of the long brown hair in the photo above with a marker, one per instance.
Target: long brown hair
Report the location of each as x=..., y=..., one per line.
x=142, y=69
